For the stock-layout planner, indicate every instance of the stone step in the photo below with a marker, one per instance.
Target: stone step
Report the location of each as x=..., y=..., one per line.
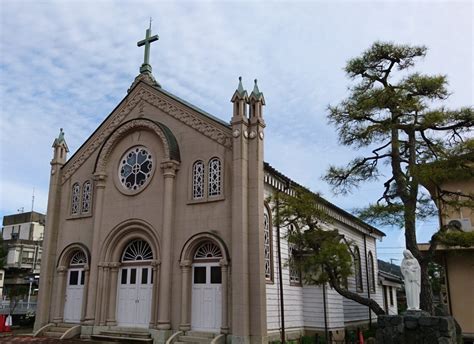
x=68, y=325
x=52, y=334
x=192, y=339
x=121, y=339
x=58, y=329
x=127, y=334
x=200, y=334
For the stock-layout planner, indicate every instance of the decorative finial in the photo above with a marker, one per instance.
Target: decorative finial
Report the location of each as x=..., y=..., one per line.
x=256, y=91
x=151, y=19
x=240, y=88
x=146, y=67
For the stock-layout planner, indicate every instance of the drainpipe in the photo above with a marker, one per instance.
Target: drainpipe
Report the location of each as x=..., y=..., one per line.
x=367, y=277
x=282, y=306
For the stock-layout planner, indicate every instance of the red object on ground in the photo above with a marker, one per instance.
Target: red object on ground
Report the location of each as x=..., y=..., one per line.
x=2, y=323
x=7, y=322
x=361, y=337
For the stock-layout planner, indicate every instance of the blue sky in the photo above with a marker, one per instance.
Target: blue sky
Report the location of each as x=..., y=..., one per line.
x=69, y=63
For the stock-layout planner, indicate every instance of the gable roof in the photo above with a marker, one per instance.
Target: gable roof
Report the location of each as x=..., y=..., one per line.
x=334, y=210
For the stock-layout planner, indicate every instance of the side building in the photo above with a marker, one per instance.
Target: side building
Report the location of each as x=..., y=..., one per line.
x=22, y=236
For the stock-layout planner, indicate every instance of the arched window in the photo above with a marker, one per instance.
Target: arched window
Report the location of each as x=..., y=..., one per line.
x=371, y=272
x=137, y=250
x=358, y=269
x=76, y=195
x=207, y=251
x=267, y=244
x=215, y=172
x=79, y=258
x=295, y=273
x=198, y=180
x=86, y=197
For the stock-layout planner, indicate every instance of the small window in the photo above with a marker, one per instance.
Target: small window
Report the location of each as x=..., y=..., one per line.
x=133, y=276
x=198, y=180
x=295, y=273
x=390, y=291
x=73, y=277
x=214, y=183
x=76, y=194
x=199, y=275
x=267, y=245
x=86, y=197
x=83, y=276
x=124, y=276
x=370, y=272
x=144, y=275
x=216, y=276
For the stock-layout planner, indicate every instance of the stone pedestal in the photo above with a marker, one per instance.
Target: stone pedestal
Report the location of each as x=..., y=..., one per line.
x=416, y=327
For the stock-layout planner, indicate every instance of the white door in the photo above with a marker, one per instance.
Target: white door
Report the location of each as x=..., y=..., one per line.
x=74, y=293
x=135, y=287
x=206, y=297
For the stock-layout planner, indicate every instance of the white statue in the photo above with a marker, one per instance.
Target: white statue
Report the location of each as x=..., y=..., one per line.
x=411, y=272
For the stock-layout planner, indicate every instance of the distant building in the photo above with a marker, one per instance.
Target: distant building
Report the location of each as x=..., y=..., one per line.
x=22, y=240
x=458, y=262
x=390, y=279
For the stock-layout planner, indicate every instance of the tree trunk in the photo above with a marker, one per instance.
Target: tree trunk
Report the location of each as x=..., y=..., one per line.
x=372, y=304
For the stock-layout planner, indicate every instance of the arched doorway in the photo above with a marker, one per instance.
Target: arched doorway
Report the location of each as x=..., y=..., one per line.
x=206, y=308
x=75, y=287
x=135, y=285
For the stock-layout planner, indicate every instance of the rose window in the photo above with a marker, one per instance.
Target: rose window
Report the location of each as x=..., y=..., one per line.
x=135, y=168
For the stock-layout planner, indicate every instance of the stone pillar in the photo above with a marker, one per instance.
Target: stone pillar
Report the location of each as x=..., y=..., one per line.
x=85, y=296
x=256, y=197
x=48, y=263
x=92, y=287
x=105, y=295
x=61, y=294
x=155, y=265
x=98, y=292
x=240, y=267
x=225, y=302
x=185, y=291
x=113, y=283
x=169, y=172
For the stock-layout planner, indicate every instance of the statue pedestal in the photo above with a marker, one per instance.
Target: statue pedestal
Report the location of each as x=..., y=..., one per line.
x=416, y=327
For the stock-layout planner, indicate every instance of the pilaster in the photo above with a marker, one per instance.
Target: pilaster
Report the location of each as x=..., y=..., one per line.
x=185, y=291
x=170, y=169
x=93, y=287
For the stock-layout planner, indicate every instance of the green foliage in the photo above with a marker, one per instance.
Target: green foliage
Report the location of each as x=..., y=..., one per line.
x=462, y=239
x=316, y=249
x=421, y=146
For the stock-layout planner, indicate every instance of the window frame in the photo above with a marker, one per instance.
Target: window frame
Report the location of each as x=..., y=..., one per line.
x=358, y=270
x=206, y=178
x=371, y=272
x=267, y=210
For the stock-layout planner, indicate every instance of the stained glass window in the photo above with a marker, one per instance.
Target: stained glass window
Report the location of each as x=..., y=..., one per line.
x=370, y=272
x=295, y=274
x=357, y=269
x=137, y=250
x=86, y=196
x=135, y=168
x=198, y=180
x=267, y=242
x=215, y=177
x=208, y=250
x=76, y=194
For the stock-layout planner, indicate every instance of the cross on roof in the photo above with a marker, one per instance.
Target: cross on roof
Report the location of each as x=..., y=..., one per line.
x=146, y=67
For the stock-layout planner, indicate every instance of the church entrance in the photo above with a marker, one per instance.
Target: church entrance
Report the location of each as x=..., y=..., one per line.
x=135, y=285
x=75, y=288
x=206, y=289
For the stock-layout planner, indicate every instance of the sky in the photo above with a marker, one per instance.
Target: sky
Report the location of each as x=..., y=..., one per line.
x=67, y=64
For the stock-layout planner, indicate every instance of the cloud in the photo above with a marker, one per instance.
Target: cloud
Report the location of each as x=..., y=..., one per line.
x=68, y=64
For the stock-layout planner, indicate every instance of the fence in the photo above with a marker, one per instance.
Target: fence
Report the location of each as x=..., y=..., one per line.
x=22, y=307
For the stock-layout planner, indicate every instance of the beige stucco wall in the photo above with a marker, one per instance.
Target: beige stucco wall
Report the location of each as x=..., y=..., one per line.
x=460, y=274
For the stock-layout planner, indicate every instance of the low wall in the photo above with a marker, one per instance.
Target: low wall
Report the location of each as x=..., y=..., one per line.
x=416, y=328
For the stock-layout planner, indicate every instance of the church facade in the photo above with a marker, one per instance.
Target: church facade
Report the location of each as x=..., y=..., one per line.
x=159, y=222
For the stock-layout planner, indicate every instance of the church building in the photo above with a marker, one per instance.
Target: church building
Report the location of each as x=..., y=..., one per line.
x=158, y=227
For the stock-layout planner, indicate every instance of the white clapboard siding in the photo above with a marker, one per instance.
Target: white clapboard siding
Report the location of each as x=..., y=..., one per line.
x=304, y=305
